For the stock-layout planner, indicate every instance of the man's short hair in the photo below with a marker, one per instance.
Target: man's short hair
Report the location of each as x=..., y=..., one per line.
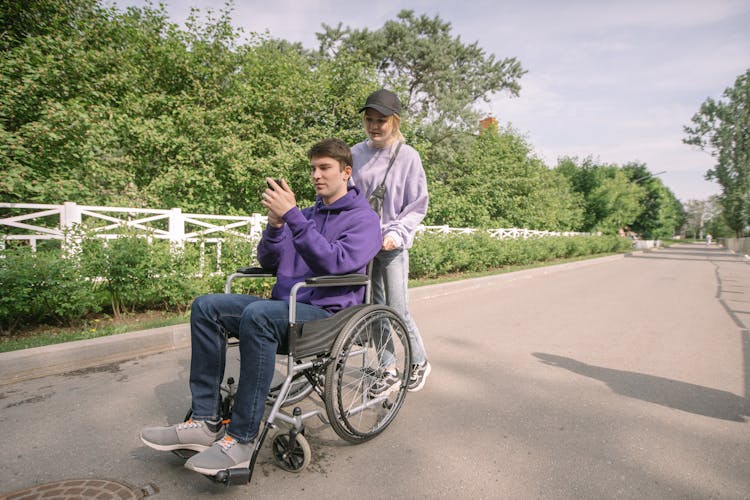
x=332, y=148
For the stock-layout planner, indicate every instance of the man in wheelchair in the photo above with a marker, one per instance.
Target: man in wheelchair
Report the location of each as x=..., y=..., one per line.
x=339, y=234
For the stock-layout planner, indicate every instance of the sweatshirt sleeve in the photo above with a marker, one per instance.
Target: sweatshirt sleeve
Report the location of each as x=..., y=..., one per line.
x=270, y=245
x=404, y=213
x=355, y=246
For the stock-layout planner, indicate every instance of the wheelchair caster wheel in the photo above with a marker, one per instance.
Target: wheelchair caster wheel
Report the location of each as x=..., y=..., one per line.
x=291, y=454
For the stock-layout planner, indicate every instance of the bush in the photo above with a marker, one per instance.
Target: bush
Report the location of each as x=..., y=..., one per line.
x=121, y=267
x=434, y=255
x=41, y=287
x=130, y=274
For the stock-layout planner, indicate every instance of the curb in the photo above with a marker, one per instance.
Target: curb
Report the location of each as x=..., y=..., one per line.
x=37, y=362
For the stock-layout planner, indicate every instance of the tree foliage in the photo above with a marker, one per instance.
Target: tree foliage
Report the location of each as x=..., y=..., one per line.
x=618, y=197
x=439, y=76
x=134, y=111
x=722, y=128
x=124, y=108
x=662, y=215
x=705, y=217
x=498, y=182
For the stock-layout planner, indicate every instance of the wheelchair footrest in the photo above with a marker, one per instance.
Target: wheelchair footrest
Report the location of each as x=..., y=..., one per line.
x=184, y=454
x=232, y=477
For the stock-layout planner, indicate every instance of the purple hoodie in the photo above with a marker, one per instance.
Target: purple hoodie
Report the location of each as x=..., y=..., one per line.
x=339, y=238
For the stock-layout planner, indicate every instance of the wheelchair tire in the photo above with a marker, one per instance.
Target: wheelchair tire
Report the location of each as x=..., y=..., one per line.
x=292, y=457
x=373, y=340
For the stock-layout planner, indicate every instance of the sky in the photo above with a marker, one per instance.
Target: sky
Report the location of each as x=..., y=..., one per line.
x=614, y=80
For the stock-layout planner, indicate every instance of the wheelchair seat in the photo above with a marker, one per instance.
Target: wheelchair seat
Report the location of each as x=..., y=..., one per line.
x=316, y=337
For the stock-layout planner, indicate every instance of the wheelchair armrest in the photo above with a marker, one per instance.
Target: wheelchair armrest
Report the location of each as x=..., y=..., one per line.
x=247, y=272
x=255, y=271
x=338, y=279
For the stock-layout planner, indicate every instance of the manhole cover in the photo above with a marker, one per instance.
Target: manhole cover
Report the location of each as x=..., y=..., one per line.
x=77, y=489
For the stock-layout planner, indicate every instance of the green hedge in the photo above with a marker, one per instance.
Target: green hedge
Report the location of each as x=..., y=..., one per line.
x=118, y=276
x=130, y=274
x=42, y=288
x=436, y=255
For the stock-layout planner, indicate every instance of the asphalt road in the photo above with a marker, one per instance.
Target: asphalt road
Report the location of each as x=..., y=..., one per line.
x=623, y=377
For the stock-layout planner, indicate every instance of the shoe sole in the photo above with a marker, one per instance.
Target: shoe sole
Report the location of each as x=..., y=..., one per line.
x=213, y=472
x=385, y=392
x=173, y=447
x=420, y=386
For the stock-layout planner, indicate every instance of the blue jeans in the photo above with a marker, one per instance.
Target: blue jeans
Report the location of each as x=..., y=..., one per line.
x=390, y=286
x=261, y=326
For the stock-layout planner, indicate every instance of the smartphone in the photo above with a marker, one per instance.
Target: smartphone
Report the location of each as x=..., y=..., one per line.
x=278, y=181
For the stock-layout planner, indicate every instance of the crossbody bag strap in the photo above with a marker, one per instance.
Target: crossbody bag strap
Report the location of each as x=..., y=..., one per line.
x=390, y=163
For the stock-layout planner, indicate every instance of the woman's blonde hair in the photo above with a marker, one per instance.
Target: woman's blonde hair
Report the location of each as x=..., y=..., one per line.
x=396, y=124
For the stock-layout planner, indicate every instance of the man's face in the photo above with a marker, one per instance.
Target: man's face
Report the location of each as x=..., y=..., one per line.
x=379, y=128
x=328, y=178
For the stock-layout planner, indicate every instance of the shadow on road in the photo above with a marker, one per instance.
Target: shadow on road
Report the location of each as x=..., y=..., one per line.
x=662, y=391
x=732, y=280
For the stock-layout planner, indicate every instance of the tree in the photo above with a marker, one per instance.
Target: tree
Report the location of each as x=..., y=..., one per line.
x=697, y=215
x=498, y=182
x=705, y=217
x=611, y=200
x=662, y=214
x=128, y=109
x=67, y=96
x=21, y=19
x=722, y=128
x=438, y=76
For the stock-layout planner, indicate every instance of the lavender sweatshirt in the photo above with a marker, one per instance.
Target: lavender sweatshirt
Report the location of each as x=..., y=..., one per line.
x=405, y=203
x=339, y=238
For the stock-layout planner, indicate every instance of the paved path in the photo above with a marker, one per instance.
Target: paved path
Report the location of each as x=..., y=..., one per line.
x=624, y=377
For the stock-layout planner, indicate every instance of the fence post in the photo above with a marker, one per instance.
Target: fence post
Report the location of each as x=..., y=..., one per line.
x=176, y=228
x=70, y=218
x=255, y=229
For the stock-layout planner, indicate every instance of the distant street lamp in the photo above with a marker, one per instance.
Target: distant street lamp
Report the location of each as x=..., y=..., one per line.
x=649, y=176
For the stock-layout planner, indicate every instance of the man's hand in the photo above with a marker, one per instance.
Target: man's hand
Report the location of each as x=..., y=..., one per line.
x=278, y=199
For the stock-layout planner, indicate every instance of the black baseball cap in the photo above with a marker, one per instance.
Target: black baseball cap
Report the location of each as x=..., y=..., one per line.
x=384, y=102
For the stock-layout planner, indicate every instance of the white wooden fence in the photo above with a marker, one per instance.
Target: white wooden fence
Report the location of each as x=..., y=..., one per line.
x=502, y=233
x=43, y=222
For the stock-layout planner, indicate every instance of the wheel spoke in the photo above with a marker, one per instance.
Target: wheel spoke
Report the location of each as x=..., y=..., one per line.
x=365, y=349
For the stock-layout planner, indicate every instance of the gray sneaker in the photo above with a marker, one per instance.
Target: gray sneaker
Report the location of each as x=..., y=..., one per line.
x=418, y=376
x=226, y=453
x=191, y=435
x=385, y=384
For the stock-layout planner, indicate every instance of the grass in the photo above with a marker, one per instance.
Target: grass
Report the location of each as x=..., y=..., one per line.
x=93, y=328
x=105, y=325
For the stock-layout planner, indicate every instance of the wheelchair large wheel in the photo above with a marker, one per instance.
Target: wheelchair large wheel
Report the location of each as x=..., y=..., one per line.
x=373, y=342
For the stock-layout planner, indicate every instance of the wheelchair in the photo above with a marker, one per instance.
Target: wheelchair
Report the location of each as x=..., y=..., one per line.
x=340, y=359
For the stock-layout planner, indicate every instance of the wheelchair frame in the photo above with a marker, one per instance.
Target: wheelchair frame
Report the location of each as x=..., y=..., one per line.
x=323, y=357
